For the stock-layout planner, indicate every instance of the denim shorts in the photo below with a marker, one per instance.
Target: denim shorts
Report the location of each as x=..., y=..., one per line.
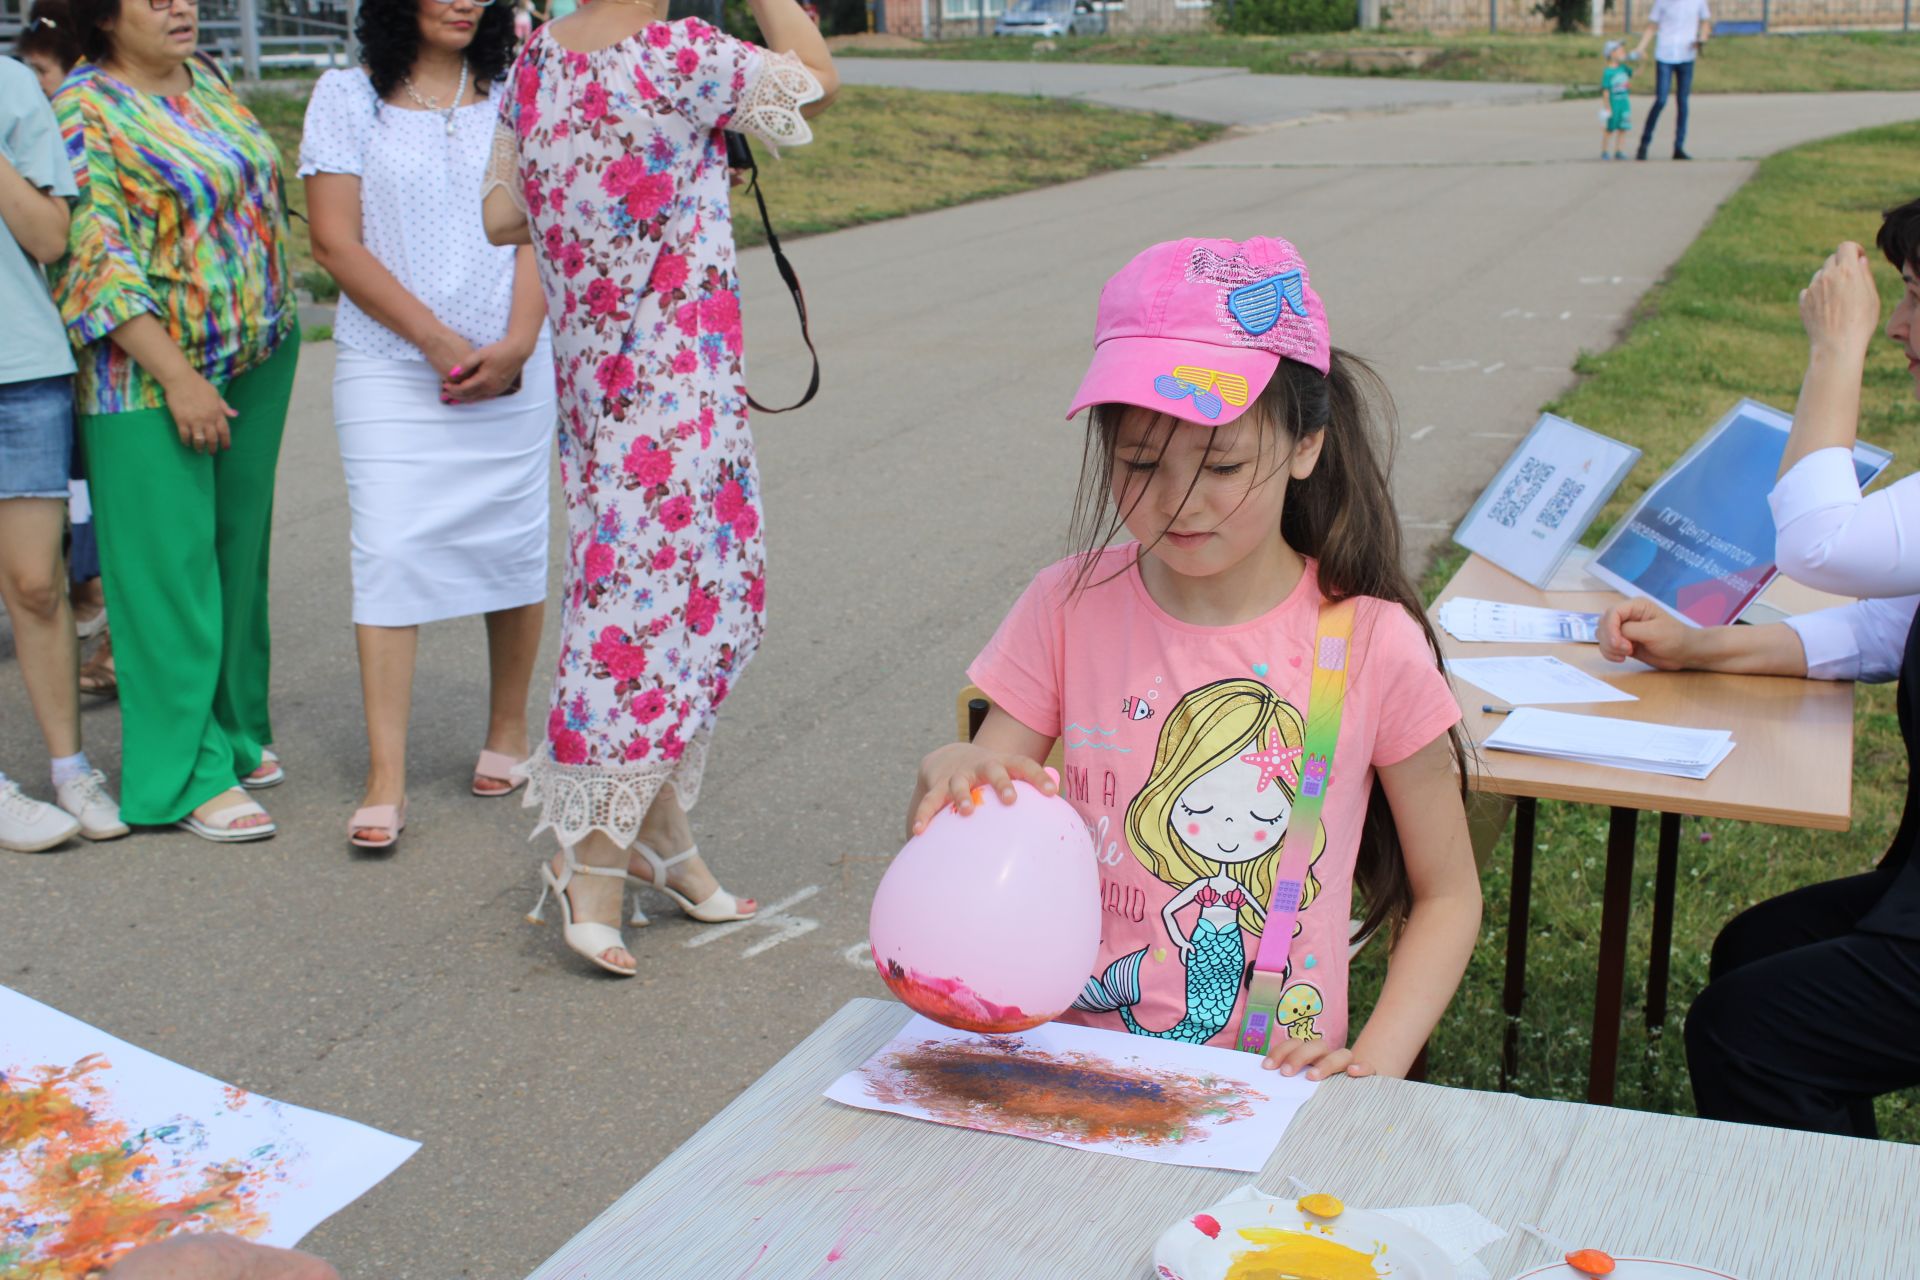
x=36, y=437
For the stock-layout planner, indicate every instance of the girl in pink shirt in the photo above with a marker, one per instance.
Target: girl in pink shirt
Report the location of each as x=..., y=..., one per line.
x=1236, y=446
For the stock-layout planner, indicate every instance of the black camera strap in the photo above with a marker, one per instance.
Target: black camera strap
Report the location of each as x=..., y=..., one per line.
x=738, y=148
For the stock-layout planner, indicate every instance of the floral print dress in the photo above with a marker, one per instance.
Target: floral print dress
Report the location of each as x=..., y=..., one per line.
x=616, y=157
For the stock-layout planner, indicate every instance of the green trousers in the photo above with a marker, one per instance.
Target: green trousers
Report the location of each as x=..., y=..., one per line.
x=184, y=541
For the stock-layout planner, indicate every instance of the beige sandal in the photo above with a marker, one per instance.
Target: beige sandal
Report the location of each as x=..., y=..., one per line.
x=218, y=825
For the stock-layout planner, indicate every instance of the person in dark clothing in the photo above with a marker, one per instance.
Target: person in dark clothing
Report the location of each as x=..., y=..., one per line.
x=1843, y=956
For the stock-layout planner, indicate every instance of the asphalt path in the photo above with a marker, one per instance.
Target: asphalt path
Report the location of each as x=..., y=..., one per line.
x=1471, y=252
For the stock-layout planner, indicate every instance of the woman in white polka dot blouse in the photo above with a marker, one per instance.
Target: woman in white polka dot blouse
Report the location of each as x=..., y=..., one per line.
x=444, y=387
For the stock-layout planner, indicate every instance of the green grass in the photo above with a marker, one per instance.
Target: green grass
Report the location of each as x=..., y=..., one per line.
x=880, y=153
x=1733, y=64
x=1723, y=324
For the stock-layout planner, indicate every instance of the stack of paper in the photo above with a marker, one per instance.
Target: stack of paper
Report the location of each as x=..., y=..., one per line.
x=1525, y=681
x=1492, y=620
x=1622, y=744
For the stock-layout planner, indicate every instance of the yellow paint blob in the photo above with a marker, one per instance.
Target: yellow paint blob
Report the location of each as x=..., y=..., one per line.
x=1293, y=1255
x=1321, y=1205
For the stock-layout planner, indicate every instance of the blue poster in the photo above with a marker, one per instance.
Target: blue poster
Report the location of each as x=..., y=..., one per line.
x=1700, y=542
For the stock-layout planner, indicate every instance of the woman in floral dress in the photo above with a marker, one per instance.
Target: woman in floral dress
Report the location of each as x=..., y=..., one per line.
x=610, y=160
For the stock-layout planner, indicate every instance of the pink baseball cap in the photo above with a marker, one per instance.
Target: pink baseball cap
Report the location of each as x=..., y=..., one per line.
x=1196, y=328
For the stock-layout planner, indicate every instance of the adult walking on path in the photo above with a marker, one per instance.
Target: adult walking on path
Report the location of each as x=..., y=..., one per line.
x=609, y=158
x=1676, y=29
x=177, y=293
x=36, y=443
x=443, y=393
x=1849, y=947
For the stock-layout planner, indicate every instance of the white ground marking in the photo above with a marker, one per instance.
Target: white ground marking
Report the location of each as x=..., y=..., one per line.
x=1495, y=367
x=859, y=955
x=1423, y=432
x=1456, y=365
x=785, y=927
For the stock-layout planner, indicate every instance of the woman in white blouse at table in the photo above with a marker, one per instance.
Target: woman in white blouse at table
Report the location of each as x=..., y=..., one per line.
x=1812, y=1008
x=444, y=383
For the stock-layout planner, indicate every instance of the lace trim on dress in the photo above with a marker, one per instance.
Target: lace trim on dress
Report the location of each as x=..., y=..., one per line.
x=503, y=168
x=576, y=799
x=770, y=108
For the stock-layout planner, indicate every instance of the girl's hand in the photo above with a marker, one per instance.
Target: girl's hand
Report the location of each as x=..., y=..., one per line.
x=1318, y=1058
x=493, y=370
x=1840, y=308
x=950, y=775
x=200, y=414
x=1642, y=629
x=1184, y=945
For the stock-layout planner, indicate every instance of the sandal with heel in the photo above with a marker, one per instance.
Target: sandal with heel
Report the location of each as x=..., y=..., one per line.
x=718, y=907
x=588, y=939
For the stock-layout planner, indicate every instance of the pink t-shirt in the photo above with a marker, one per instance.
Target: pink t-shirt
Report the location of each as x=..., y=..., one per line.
x=1156, y=717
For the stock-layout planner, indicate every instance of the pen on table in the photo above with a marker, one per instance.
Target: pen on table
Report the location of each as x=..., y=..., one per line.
x=1495, y=708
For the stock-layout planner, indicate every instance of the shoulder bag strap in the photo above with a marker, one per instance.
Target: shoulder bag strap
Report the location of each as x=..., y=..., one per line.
x=1326, y=699
x=787, y=274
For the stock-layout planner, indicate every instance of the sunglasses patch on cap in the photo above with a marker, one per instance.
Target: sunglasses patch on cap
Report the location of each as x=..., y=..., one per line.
x=1212, y=390
x=1259, y=306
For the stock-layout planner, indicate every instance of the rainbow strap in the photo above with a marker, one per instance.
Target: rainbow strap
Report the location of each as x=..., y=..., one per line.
x=1326, y=699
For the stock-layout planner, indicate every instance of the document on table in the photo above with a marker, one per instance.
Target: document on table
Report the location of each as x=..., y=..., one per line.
x=1526, y=681
x=1621, y=744
x=1475, y=621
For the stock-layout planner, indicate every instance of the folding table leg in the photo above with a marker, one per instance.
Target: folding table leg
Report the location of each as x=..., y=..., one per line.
x=1519, y=908
x=1609, y=992
x=1666, y=871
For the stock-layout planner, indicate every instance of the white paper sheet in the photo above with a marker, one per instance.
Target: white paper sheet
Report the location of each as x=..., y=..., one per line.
x=1482, y=621
x=156, y=1134
x=1622, y=744
x=1522, y=682
x=1107, y=1091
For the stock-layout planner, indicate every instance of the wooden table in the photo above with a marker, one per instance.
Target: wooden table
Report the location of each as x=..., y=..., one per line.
x=785, y=1185
x=1792, y=766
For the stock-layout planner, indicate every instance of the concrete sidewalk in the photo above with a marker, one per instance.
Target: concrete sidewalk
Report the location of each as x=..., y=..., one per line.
x=1221, y=95
x=1471, y=253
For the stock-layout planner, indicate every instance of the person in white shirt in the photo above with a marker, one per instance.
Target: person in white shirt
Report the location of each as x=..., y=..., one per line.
x=1843, y=956
x=1681, y=27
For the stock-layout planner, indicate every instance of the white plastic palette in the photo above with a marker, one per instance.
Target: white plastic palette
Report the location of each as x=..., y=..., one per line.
x=1632, y=1269
x=1186, y=1252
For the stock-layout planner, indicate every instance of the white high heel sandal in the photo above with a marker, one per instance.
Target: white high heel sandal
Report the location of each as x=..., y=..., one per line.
x=718, y=907
x=585, y=938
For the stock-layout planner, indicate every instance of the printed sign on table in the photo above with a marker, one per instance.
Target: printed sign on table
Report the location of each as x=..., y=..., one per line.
x=1700, y=542
x=1544, y=498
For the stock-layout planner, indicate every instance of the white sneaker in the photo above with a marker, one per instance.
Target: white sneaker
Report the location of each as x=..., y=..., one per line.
x=88, y=799
x=28, y=825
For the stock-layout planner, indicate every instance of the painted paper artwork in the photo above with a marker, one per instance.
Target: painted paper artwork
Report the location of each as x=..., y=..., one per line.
x=104, y=1146
x=1161, y=1100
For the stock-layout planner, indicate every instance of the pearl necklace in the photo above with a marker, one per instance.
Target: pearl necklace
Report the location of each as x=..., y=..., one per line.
x=433, y=104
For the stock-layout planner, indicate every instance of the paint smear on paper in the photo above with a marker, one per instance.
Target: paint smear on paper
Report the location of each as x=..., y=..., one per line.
x=953, y=1003
x=1279, y=1254
x=88, y=1190
x=1008, y=1086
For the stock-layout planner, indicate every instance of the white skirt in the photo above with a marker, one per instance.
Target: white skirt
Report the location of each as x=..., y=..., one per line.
x=449, y=502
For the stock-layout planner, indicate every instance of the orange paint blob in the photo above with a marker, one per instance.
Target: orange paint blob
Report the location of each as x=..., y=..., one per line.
x=1591, y=1262
x=1320, y=1205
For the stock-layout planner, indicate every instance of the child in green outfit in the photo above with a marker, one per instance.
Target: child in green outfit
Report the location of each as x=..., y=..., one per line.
x=1619, y=112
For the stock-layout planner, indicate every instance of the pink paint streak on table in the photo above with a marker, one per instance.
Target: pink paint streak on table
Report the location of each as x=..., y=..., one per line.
x=785, y=1185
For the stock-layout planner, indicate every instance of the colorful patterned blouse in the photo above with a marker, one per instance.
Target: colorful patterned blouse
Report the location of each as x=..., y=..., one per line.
x=181, y=216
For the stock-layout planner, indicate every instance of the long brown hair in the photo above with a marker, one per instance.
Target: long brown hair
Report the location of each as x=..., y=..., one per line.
x=1342, y=515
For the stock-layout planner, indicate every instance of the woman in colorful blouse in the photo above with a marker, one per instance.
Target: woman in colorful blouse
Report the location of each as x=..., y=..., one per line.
x=178, y=299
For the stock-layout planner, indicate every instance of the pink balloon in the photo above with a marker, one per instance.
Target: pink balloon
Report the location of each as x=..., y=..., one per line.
x=991, y=921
